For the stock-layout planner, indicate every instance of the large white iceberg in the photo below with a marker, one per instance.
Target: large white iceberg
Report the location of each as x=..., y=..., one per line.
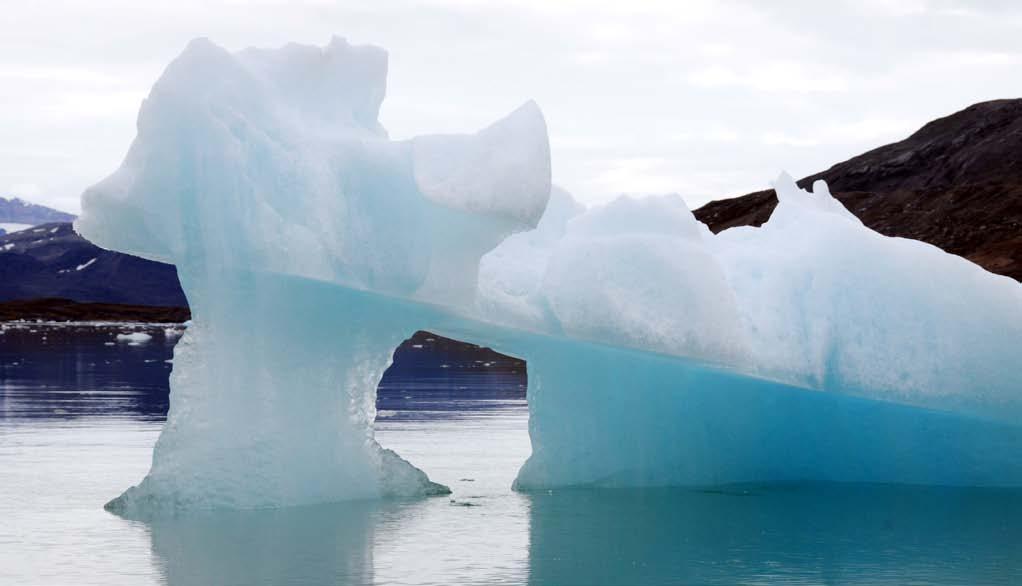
x=811, y=349
x=310, y=245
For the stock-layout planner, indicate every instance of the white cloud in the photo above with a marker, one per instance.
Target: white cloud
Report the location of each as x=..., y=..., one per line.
x=874, y=131
x=714, y=134
x=13, y=73
x=706, y=98
x=781, y=138
x=878, y=130
x=897, y=7
x=24, y=190
x=78, y=105
x=778, y=76
x=979, y=58
x=635, y=175
x=716, y=50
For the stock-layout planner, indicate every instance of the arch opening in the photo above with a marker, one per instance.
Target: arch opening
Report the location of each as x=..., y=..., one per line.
x=455, y=410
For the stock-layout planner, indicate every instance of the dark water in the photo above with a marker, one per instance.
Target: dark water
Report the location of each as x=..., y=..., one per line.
x=61, y=371
x=431, y=377
x=78, y=418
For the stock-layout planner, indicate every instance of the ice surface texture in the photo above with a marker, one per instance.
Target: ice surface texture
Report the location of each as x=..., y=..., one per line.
x=310, y=245
x=267, y=179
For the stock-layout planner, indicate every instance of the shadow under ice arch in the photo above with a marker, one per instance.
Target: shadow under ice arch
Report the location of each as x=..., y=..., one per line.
x=310, y=245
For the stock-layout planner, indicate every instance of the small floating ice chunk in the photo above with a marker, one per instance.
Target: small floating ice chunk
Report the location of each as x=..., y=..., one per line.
x=134, y=338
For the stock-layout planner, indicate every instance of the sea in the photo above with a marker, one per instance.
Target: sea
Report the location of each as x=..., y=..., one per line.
x=81, y=409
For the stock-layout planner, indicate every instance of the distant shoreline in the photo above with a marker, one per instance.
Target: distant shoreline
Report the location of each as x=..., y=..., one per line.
x=63, y=310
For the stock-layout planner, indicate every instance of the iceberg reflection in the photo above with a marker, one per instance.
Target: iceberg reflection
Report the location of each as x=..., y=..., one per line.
x=819, y=534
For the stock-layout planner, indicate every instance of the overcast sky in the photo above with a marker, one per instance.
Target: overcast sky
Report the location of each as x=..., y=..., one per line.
x=706, y=99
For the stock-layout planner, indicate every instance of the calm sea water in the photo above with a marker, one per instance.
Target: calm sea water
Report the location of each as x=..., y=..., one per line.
x=79, y=413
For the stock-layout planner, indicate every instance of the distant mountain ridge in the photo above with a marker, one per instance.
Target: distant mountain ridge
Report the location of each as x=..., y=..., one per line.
x=956, y=183
x=52, y=261
x=18, y=211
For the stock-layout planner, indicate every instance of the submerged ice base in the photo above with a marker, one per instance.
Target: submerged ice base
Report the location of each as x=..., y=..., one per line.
x=310, y=245
x=654, y=420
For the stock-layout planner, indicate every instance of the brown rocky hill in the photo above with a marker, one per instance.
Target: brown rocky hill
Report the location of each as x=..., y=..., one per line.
x=956, y=183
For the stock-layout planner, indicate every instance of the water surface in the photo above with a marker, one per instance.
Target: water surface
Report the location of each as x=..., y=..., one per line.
x=79, y=413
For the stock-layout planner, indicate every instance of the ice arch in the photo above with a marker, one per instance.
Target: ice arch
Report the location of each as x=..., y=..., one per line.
x=310, y=245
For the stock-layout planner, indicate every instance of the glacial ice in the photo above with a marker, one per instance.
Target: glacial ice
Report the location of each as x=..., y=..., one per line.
x=134, y=338
x=310, y=245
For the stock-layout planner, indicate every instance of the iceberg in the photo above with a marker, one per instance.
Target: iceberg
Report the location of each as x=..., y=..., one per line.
x=811, y=349
x=134, y=338
x=310, y=245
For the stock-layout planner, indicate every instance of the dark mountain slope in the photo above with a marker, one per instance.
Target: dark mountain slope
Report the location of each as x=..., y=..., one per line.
x=57, y=309
x=51, y=261
x=956, y=183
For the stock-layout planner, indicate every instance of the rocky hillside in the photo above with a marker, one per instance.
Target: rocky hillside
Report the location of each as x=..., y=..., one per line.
x=56, y=309
x=52, y=261
x=956, y=183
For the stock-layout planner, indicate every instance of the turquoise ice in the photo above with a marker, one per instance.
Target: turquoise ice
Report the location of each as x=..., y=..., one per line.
x=310, y=245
